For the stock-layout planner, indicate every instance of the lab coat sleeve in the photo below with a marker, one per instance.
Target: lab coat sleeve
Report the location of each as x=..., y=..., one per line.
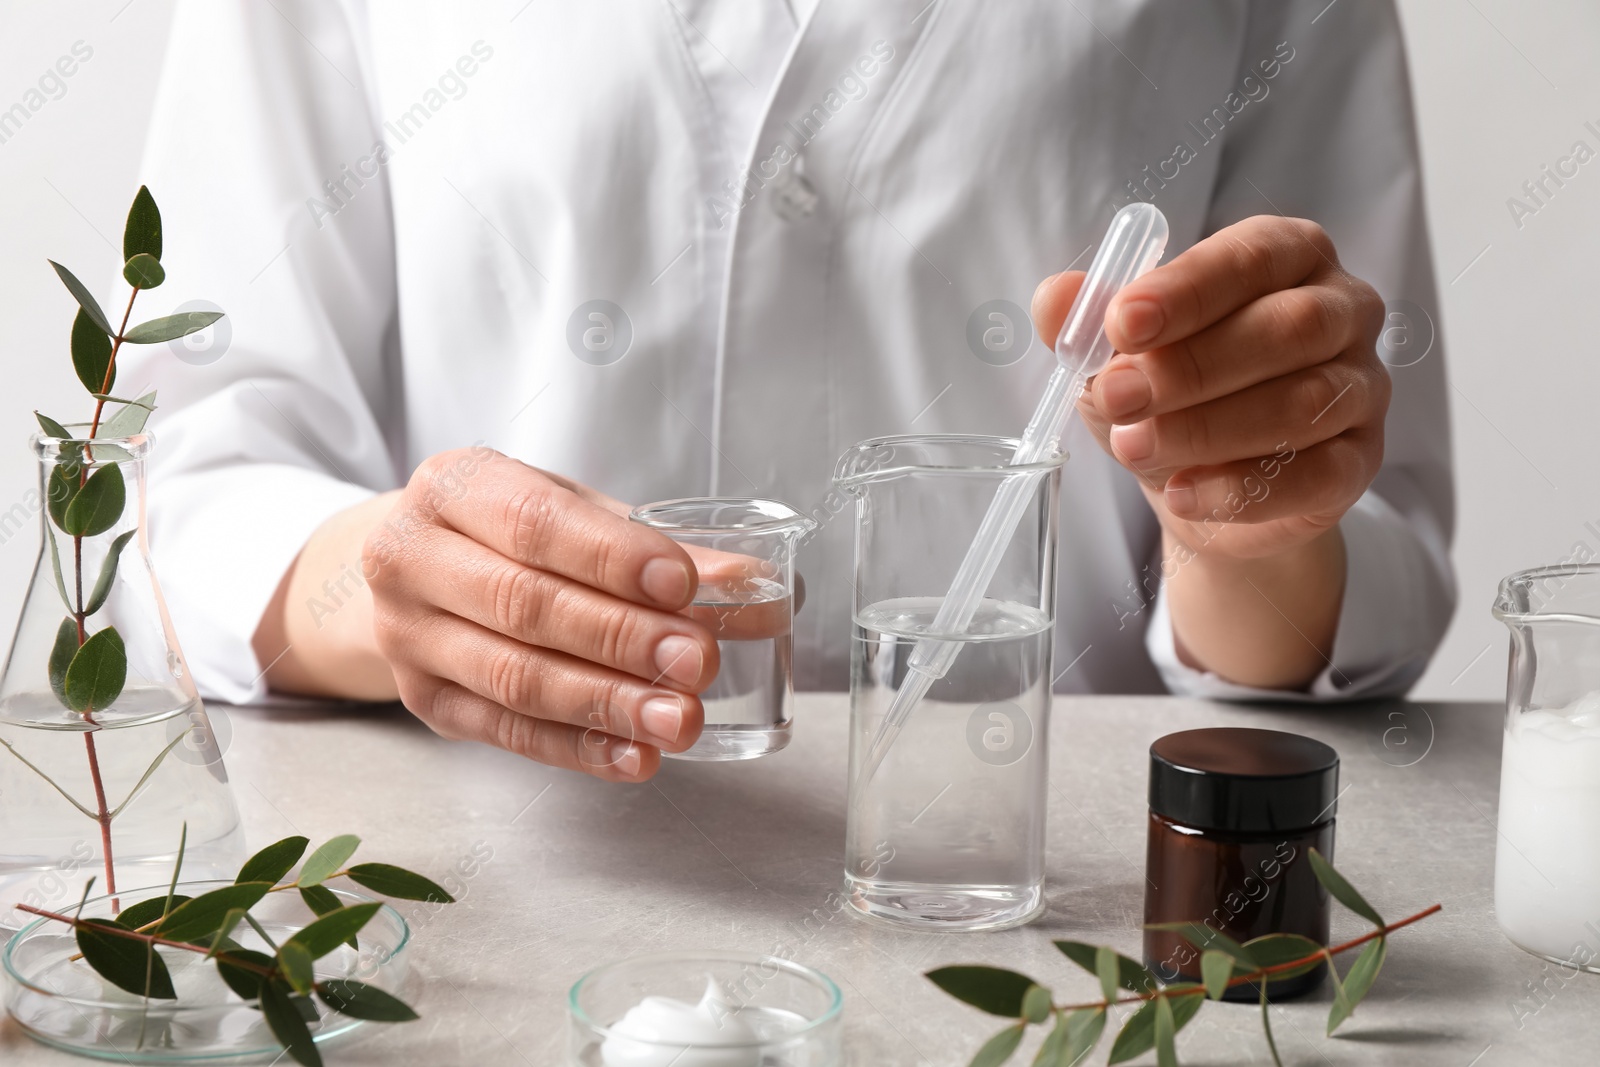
x=1334, y=141
x=259, y=106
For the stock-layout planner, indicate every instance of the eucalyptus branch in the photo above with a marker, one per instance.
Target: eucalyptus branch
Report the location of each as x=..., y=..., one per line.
x=1162, y=1011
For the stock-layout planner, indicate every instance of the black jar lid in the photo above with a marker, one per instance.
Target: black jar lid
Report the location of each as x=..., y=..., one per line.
x=1235, y=779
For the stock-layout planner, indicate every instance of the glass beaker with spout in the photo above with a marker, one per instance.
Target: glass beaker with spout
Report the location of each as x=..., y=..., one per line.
x=948, y=831
x=1547, y=854
x=746, y=596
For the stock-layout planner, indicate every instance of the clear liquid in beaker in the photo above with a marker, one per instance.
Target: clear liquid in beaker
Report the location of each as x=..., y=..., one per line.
x=748, y=705
x=949, y=832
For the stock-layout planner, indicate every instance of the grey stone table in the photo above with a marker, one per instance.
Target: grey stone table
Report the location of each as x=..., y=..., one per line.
x=557, y=872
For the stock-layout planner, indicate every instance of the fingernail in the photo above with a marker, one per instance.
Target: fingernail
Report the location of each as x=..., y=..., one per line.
x=1134, y=442
x=678, y=658
x=665, y=581
x=625, y=757
x=662, y=717
x=1122, y=391
x=1181, y=497
x=1140, y=320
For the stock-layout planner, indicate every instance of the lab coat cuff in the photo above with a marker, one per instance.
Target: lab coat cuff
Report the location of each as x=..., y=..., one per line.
x=1385, y=632
x=222, y=541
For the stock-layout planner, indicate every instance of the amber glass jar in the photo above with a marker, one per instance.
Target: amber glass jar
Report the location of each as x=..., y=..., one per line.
x=1233, y=813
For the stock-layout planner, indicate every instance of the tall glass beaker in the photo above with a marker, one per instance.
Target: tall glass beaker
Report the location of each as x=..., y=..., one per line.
x=744, y=551
x=948, y=832
x=1547, y=856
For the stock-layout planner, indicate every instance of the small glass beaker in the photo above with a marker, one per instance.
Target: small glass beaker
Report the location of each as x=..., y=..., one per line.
x=948, y=832
x=1547, y=856
x=744, y=551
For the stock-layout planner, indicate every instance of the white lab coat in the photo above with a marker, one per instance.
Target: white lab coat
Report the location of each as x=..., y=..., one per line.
x=390, y=302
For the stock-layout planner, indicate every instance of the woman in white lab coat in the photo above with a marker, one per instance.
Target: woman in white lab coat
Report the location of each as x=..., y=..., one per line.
x=485, y=263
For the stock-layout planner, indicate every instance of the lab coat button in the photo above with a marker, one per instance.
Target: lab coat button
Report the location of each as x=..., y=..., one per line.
x=795, y=200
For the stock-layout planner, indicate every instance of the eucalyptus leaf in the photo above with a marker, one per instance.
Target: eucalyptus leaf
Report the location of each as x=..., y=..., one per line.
x=321, y=936
x=1216, y=968
x=97, y=672
x=97, y=506
x=126, y=962
x=991, y=989
x=222, y=940
x=142, y=233
x=108, y=572
x=109, y=452
x=328, y=859
x=294, y=961
x=148, y=911
x=1050, y=1050
x=143, y=271
x=242, y=980
x=60, y=488
x=1166, y=1050
x=91, y=354
x=204, y=915
x=1273, y=950
x=109, y=399
x=1036, y=1004
x=170, y=327
x=85, y=299
x=55, y=567
x=130, y=418
x=1083, y=1034
x=394, y=881
x=321, y=900
x=1266, y=1027
x=1342, y=890
x=999, y=1048
x=1342, y=1008
x=1358, y=982
x=361, y=1001
x=52, y=428
x=1138, y=1034
x=1132, y=975
x=61, y=653
x=1106, y=969
x=1203, y=937
x=287, y=1023
x=274, y=861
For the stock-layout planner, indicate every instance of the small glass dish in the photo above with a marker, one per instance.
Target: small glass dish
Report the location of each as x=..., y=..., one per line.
x=797, y=1011
x=62, y=1003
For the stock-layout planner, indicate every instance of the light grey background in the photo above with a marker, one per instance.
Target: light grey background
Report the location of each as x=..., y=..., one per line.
x=1502, y=88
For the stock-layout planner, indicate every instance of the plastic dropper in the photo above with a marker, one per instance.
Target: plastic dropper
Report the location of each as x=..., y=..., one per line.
x=1133, y=244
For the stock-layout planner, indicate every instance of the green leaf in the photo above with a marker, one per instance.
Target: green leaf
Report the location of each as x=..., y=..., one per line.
x=60, y=489
x=129, y=419
x=1203, y=937
x=1107, y=970
x=1271, y=950
x=52, y=428
x=1132, y=975
x=1342, y=1008
x=1049, y=1054
x=1358, y=982
x=1343, y=891
x=1166, y=1050
x=321, y=900
x=124, y=961
x=55, y=567
x=321, y=936
x=61, y=653
x=294, y=960
x=97, y=672
x=287, y=1024
x=143, y=271
x=1138, y=1034
x=1266, y=1027
x=109, y=452
x=361, y=1001
x=97, y=506
x=274, y=861
x=146, y=911
x=328, y=859
x=1036, y=1004
x=142, y=234
x=1083, y=1034
x=990, y=989
x=85, y=299
x=170, y=327
x=394, y=881
x=91, y=354
x=999, y=1048
x=108, y=571
x=204, y=915
x=241, y=980
x=1216, y=968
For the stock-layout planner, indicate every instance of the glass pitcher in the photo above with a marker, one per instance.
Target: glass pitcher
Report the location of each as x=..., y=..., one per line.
x=948, y=832
x=1547, y=856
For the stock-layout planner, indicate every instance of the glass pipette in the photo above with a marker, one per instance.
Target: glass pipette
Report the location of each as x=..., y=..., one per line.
x=1133, y=244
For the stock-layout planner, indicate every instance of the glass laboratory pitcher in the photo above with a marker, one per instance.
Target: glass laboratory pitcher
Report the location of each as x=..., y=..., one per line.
x=106, y=753
x=948, y=831
x=1547, y=856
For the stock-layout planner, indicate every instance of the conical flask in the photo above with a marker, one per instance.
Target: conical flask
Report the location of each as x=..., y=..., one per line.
x=106, y=753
